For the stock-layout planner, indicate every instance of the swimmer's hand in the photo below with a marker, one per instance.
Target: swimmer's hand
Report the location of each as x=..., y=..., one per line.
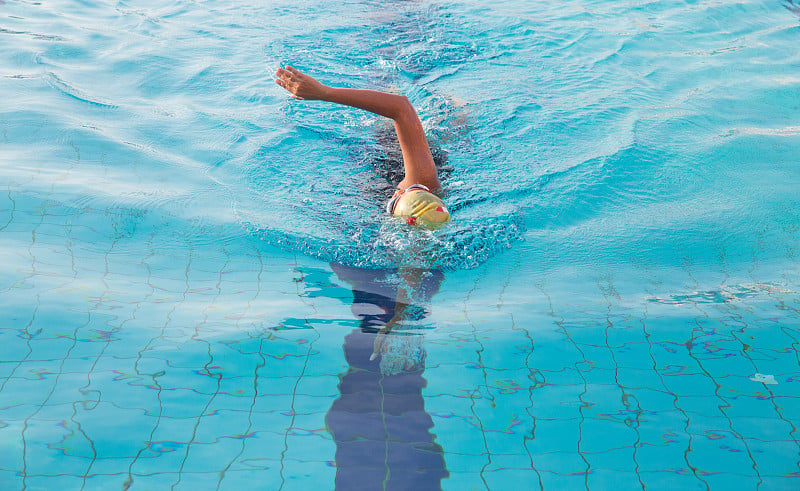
x=300, y=85
x=377, y=346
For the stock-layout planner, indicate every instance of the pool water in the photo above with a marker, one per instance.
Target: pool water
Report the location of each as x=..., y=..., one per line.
x=197, y=273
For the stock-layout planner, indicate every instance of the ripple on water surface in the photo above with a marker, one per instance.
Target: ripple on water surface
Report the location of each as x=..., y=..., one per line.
x=658, y=131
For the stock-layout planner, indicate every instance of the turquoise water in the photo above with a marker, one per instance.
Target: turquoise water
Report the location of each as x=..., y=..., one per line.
x=195, y=267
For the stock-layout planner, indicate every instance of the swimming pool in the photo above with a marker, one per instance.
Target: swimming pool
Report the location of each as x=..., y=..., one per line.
x=196, y=267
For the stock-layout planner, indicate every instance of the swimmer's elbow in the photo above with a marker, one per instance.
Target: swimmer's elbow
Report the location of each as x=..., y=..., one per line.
x=404, y=110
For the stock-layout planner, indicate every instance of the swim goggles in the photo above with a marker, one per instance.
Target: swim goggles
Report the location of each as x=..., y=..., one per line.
x=400, y=192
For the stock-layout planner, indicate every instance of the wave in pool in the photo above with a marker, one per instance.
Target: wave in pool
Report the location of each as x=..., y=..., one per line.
x=586, y=131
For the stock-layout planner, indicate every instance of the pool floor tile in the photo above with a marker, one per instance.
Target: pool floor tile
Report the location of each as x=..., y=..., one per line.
x=464, y=481
x=171, y=319
x=560, y=463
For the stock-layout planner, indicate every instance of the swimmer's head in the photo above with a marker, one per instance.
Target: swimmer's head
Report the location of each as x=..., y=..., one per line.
x=418, y=206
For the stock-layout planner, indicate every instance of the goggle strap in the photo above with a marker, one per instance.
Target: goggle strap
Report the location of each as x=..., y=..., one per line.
x=400, y=192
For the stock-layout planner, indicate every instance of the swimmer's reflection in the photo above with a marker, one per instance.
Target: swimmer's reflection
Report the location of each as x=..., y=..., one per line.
x=379, y=422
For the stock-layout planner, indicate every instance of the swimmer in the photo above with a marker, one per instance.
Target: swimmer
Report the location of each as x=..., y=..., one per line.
x=414, y=201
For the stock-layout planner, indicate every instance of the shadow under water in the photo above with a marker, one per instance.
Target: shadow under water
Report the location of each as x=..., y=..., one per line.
x=379, y=422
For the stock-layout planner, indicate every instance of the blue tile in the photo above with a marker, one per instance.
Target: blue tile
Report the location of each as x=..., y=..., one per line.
x=511, y=478
x=516, y=461
x=200, y=481
x=732, y=481
x=553, y=435
x=464, y=481
x=158, y=457
x=210, y=428
x=320, y=385
x=672, y=479
x=308, y=475
x=505, y=443
x=47, y=440
x=557, y=401
x=23, y=391
x=60, y=481
x=11, y=478
x=107, y=470
x=459, y=436
x=605, y=478
x=779, y=483
x=11, y=446
x=115, y=432
x=601, y=435
x=764, y=429
x=254, y=479
x=304, y=446
x=264, y=449
x=211, y=457
x=635, y=379
x=463, y=463
x=774, y=458
x=99, y=481
x=553, y=480
x=13, y=348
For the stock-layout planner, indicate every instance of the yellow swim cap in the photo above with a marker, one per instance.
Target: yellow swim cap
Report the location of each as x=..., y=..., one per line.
x=418, y=206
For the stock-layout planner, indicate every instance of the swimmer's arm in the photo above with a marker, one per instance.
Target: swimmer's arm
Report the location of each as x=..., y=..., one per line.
x=417, y=159
x=377, y=344
x=399, y=314
x=412, y=278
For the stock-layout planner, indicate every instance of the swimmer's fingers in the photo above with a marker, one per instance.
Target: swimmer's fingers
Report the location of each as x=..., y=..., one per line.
x=288, y=86
x=376, y=346
x=285, y=85
x=285, y=79
x=289, y=82
x=294, y=71
x=284, y=74
x=298, y=83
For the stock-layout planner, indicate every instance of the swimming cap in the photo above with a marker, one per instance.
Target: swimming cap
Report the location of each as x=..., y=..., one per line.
x=418, y=206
